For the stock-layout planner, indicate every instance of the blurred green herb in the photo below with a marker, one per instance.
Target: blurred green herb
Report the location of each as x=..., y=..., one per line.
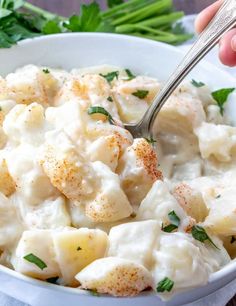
x=153, y=19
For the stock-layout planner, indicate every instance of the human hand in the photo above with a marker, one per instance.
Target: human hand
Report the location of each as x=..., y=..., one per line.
x=227, y=52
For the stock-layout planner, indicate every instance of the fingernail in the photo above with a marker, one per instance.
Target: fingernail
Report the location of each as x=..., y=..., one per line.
x=233, y=43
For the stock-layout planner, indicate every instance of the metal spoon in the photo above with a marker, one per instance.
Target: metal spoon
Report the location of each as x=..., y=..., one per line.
x=224, y=20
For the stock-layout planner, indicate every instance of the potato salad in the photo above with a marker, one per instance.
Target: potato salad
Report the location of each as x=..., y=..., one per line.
x=84, y=205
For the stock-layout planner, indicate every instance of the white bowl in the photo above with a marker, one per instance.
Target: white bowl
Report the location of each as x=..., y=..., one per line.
x=143, y=57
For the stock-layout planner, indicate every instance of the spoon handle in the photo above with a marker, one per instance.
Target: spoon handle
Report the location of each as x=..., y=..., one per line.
x=224, y=20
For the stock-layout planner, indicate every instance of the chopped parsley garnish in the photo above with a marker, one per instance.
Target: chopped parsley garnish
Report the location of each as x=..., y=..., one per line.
x=150, y=140
x=175, y=222
x=218, y=196
x=233, y=239
x=100, y=110
x=110, y=99
x=197, y=84
x=46, y=71
x=35, y=260
x=79, y=248
x=94, y=292
x=221, y=97
x=110, y=76
x=141, y=94
x=165, y=285
x=201, y=235
x=52, y=280
x=130, y=75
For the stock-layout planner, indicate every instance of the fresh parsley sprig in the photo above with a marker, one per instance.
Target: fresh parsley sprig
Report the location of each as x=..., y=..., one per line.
x=165, y=285
x=101, y=110
x=174, y=223
x=197, y=84
x=36, y=261
x=110, y=76
x=221, y=97
x=150, y=140
x=200, y=234
x=141, y=94
x=130, y=75
x=151, y=19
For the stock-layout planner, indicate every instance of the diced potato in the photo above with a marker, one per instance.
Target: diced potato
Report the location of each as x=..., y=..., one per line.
x=159, y=203
x=115, y=276
x=123, y=241
x=222, y=215
x=66, y=171
x=7, y=184
x=25, y=123
x=51, y=214
x=217, y=140
x=110, y=202
x=137, y=169
x=32, y=184
x=30, y=84
x=131, y=108
x=40, y=244
x=186, y=261
x=75, y=249
x=10, y=225
x=182, y=112
x=191, y=201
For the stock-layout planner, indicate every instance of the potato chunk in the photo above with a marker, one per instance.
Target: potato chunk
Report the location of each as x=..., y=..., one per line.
x=40, y=244
x=115, y=276
x=138, y=170
x=7, y=184
x=75, y=249
x=191, y=201
x=123, y=241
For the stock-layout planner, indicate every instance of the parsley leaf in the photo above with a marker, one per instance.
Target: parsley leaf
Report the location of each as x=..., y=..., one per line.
x=130, y=75
x=197, y=84
x=73, y=24
x=52, y=280
x=150, y=140
x=175, y=222
x=4, y=12
x=5, y=40
x=90, y=17
x=88, y=21
x=201, y=235
x=11, y=4
x=141, y=94
x=100, y=110
x=51, y=27
x=79, y=248
x=46, y=70
x=36, y=260
x=221, y=97
x=233, y=239
x=112, y=3
x=110, y=76
x=110, y=99
x=165, y=285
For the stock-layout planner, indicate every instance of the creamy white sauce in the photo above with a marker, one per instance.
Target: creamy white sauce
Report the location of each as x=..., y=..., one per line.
x=91, y=202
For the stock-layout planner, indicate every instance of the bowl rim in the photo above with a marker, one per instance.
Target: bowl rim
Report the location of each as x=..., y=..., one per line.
x=214, y=277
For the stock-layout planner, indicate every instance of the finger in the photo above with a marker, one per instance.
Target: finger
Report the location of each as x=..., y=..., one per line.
x=228, y=48
x=206, y=16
